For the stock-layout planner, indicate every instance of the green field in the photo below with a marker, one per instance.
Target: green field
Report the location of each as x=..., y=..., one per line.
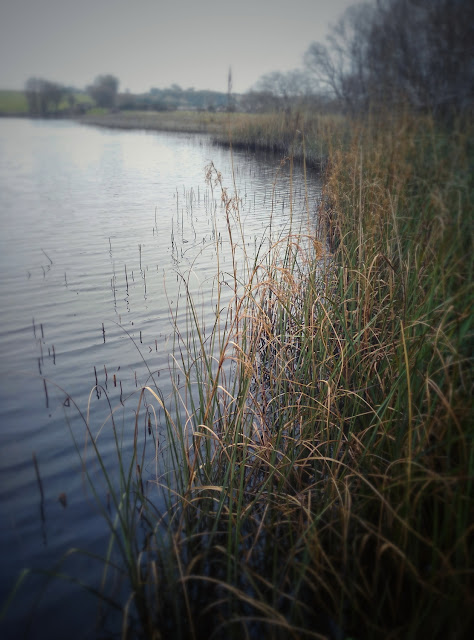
x=12, y=102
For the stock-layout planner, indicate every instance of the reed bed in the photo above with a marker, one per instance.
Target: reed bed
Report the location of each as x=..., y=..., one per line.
x=322, y=463
x=299, y=133
x=176, y=121
x=318, y=469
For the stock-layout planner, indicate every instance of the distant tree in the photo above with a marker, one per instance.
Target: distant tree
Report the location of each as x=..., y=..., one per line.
x=142, y=102
x=43, y=97
x=259, y=101
x=278, y=90
x=339, y=67
x=287, y=85
x=104, y=91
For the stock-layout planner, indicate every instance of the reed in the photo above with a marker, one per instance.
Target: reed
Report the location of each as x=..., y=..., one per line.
x=184, y=121
x=301, y=134
x=321, y=445
x=318, y=469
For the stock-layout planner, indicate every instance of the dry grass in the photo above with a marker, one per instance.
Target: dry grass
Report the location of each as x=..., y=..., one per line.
x=299, y=134
x=325, y=489
x=178, y=121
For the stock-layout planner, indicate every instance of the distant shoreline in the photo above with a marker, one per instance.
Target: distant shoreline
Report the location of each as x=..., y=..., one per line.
x=184, y=121
x=175, y=121
x=252, y=132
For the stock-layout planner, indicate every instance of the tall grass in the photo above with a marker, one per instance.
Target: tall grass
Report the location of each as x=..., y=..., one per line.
x=176, y=121
x=323, y=468
x=319, y=464
x=301, y=134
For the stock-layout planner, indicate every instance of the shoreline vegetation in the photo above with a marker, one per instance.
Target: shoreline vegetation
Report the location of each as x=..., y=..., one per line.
x=325, y=490
x=319, y=457
x=267, y=132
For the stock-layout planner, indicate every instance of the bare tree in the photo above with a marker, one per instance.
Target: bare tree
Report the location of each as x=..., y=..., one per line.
x=291, y=84
x=259, y=101
x=281, y=89
x=418, y=52
x=422, y=51
x=339, y=67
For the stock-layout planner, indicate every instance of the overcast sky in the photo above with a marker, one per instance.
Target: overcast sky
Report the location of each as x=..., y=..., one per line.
x=154, y=43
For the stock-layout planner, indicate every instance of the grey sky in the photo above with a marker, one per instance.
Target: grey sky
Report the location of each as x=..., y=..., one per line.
x=148, y=43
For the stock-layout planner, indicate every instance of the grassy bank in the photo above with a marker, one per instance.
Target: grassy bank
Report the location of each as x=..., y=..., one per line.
x=319, y=459
x=325, y=490
x=177, y=121
x=300, y=134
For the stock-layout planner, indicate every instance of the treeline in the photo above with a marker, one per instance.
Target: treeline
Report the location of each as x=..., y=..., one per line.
x=46, y=98
x=415, y=52
x=412, y=52
x=49, y=98
x=174, y=97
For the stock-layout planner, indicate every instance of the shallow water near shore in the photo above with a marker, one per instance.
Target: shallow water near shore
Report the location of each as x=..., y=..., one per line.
x=98, y=229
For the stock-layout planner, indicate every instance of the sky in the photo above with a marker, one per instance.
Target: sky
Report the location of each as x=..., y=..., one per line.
x=155, y=43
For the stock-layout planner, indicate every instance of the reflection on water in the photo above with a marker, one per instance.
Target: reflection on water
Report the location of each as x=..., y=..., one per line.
x=97, y=229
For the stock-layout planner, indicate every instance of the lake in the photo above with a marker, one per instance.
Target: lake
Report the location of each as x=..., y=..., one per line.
x=98, y=230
